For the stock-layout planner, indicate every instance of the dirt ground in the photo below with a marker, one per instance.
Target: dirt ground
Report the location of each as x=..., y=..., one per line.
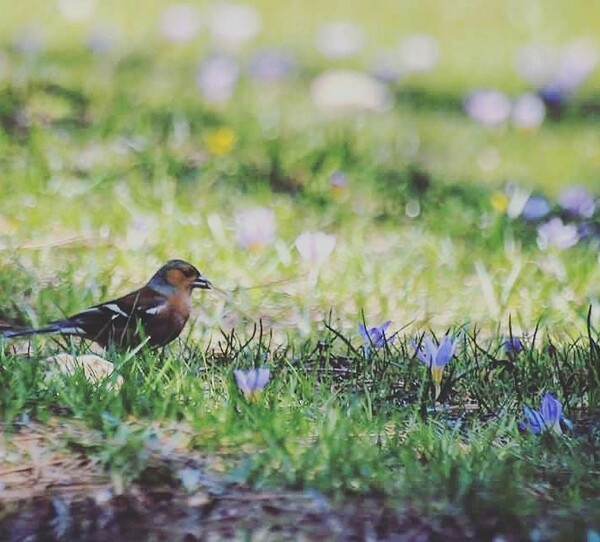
x=236, y=515
x=50, y=489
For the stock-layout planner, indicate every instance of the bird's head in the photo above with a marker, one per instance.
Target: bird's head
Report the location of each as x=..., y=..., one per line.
x=178, y=275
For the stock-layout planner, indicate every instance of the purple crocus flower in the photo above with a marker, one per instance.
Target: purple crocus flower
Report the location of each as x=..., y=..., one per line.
x=578, y=60
x=180, y=23
x=436, y=357
x=338, y=183
x=375, y=336
x=233, y=24
x=217, y=78
x=255, y=228
x=513, y=345
x=252, y=382
x=339, y=179
x=536, y=63
x=533, y=421
x=418, y=53
x=558, y=73
x=536, y=207
x=528, y=111
x=555, y=233
x=315, y=247
x=554, y=99
x=271, y=65
x=489, y=107
x=548, y=418
x=589, y=231
x=577, y=201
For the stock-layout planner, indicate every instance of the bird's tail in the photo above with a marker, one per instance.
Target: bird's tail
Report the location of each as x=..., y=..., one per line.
x=10, y=333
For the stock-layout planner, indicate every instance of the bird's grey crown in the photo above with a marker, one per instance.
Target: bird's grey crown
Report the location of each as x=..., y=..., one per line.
x=159, y=281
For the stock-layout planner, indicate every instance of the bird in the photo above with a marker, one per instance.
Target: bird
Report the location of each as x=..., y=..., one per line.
x=156, y=312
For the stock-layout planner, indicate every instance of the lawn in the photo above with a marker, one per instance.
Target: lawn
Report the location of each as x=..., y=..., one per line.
x=434, y=166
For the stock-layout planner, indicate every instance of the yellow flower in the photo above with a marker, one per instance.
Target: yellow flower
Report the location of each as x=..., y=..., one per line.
x=220, y=141
x=499, y=201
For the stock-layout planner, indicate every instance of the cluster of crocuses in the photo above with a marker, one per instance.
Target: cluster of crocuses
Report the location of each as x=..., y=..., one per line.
x=436, y=355
x=547, y=419
x=432, y=355
x=574, y=216
x=553, y=74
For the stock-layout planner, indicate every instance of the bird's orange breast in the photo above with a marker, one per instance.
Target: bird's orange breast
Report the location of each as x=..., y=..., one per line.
x=168, y=323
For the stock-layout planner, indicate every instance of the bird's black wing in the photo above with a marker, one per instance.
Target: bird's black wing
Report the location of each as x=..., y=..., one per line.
x=114, y=320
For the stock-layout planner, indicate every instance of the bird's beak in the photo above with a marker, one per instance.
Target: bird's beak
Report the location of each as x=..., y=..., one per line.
x=201, y=282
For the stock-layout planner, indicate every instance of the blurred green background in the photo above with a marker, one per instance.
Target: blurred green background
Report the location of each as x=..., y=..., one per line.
x=114, y=156
x=477, y=38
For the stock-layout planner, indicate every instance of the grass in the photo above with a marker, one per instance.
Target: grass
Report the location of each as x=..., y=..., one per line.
x=362, y=425
x=109, y=167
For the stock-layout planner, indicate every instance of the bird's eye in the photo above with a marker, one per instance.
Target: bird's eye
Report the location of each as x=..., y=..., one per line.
x=188, y=272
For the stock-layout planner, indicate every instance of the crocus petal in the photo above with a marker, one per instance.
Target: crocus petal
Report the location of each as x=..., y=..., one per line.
x=528, y=111
x=263, y=376
x=577, y=201
x=445, y=351
x=232, y=24
x=555, y=233
x=252, y=382
x=217, y=78
x=375, y=336
x=431, y=348
x=488, y=106
x=242, y=381
x=534, y=421
x=383, y=327
x=551, y=411
x=441, y=357
x=251, y=378
x=535, y=207
x=315, y=247
x=255, y=228
x=422, y=355
x=180, y=23
x=513, y=345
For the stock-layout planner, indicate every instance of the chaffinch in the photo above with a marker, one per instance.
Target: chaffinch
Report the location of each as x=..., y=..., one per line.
x=157, y=311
